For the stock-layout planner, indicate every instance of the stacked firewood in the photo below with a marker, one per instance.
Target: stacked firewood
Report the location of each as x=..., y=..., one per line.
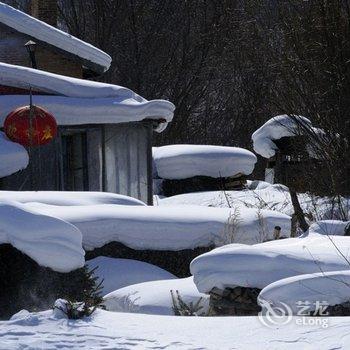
x=238, y=301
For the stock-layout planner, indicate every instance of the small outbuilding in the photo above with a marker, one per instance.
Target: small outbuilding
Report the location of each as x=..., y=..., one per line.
x=286, y=142
x=182, y=169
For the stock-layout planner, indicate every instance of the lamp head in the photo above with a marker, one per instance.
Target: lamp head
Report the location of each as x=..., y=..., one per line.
x=30, y=46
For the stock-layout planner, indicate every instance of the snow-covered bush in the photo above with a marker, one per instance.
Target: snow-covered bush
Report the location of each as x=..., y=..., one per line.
x=181, y=308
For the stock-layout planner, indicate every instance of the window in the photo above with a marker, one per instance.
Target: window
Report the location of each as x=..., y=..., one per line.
x=75, y=164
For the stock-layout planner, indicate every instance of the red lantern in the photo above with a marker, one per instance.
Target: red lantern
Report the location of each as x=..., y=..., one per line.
x=40, y=130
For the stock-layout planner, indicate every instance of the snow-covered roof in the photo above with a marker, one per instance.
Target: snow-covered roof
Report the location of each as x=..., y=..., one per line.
x=46, y=33
x=13, y=156
x=49, y=241
x=186, y=161
x=77, y=101
x=276, y=128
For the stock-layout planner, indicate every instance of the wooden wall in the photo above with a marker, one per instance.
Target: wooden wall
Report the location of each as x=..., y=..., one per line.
x=121, y=164
x=128, y=160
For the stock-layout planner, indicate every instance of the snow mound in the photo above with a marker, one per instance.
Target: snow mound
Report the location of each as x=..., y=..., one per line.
x=276, y=128
x=119, y=273
x=13, y=156
x=166, y=228
x=66, y=198
x=48, y=241
x=80, y=101
x=331, y=287
x=185, y=161
x=155, y=297
x=42, y=31
x=258, y=265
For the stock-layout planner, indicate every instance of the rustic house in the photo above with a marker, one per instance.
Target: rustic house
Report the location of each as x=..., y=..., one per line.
x=104, y=140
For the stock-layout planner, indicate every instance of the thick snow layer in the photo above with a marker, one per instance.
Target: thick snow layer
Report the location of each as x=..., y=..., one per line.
x=51, y=83
x=49, y=241
x=331, y=287
x=110, y=330
x=79, y=101
x=155, y=297
x=13, y=156
x=274, y=129
x=167, y=228
x=42, y=31
x=66, y=198
x=119, y=273
x=260, y=194
x=185, y=161
x=258, y=265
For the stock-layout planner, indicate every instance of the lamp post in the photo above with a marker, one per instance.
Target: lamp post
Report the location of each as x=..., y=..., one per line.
x=31, y=46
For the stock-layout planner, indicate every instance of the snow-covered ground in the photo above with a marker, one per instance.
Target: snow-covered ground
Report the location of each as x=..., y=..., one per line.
x=155, y=297
x=13, y=156
x=110, y=330
x=186, y=161
x=260, y=194
x=119, y=273
x=330, y=227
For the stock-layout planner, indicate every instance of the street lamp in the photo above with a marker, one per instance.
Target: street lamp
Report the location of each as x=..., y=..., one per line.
x=31, y=46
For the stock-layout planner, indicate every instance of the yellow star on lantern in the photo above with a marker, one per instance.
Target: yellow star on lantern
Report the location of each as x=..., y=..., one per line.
x=47, y=134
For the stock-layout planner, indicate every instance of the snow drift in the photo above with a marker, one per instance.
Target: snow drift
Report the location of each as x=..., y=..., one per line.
x=155, y=297
x=119, y=273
